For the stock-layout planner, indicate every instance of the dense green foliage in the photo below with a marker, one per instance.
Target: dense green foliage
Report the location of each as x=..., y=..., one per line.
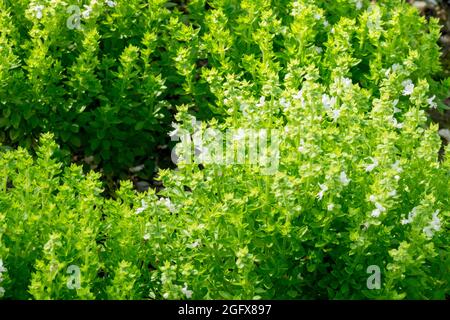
x=358, y=182
x=101, y=85
x=106, y=85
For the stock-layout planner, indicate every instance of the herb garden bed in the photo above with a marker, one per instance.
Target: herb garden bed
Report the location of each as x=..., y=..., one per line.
x=307, y=165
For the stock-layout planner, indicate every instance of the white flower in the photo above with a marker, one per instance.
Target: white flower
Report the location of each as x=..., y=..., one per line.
x=428, y=231
x=411, y=216
x=317, y=16
x=344, y=179
x=396, y=67
x=408, y=87
x=87, y=12
x=319, y=50
x=328, y=102
x=194, y=244
x=372, y=198
x=336, y=113
x=323, y=189
x=380, y=207
x=392, y=193
x=376, y=212
x=405, y=221
x=387, y=72
x=326, y=23
x=396, y=166
x=146, y=236
x=394, y=104
x=374, y=22
x=436, y=222
x=166, y=202
x=111, y=3
x=435, y=225
x=359, y=4
x=166, y=295
x=297, y=8
x=244, y=108
x=432, y=103
x=2, y=292
x=330, y=207
x=285, y=104
x=38, y=9
x=370, y=167
x=396, y=124
x=175, y=133
x=302, y=148
x=346, y=82
x=186, y=292
x=143, y=207
x=262, y=102
x=299, y=95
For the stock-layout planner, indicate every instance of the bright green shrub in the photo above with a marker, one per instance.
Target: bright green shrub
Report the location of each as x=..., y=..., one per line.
x=52, y=219
x=268, y=43
x=358, y=180
x=335, y=206
x=104, y=77
x=232, y=232
x=50, y=222
x=101, y=85
x=55, y=218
